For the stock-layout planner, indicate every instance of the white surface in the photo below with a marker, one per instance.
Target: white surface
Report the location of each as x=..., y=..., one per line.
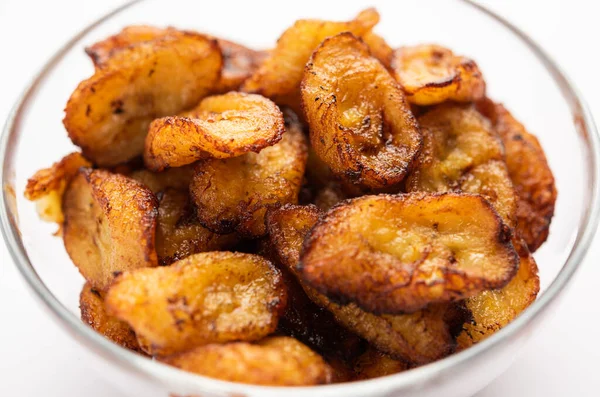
x=36, y=356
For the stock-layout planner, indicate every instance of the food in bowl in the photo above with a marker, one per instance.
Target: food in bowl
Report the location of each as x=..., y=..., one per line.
x=329, y=210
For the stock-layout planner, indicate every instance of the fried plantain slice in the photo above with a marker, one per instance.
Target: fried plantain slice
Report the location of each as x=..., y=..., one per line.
x=239, y=62
x=221, y=126
x=492, y=310
x=110, y=224
x=397, y=254
x=108, y=114
x=174, y=178
x=93, y=313
x=379, y=48
x=46, y=186
x=360, y=123
x=234, y=194
x=279, y=76
x=211, y=297
x=275, y=361
x=530, y=174
x=417, y=338
x=431, y=74
x=461, y=152
x=375, y=364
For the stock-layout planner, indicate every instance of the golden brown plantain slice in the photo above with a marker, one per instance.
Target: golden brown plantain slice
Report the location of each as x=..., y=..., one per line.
x=234, y=194
x=492, y=310
x=461, y=152
x=109, y=113
x=397, y=254
x=94, y=314
x=374, y=364
x=279, y=76
x=221, y=126
x=211, y=297
x=530, y=174
x=417, y=338
x=379, y=48
x=360, y=123
x=46, y=187
x=179, y=234
x=110, y=223
x=431, y=74
x=275, y=361
x=239, y=62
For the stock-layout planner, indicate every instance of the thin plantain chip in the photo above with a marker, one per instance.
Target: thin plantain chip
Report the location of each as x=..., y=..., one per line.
x=417, y=338
x=360, y=123
x=432, y=74
x=234, y=194
x=530, y=174
x=492, y=310
x=375, y=364
x=221, y=126
x=108, y=114
x=211, y=297
x=461, y=152
x=397, y=254
x=93, y=313
x=46, y=187
x=239, y=64
x=280, y=74
x=110, y=224
x=379, y=48
x=275, y=361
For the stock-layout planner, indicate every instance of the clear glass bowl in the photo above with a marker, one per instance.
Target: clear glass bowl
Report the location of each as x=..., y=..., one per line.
x=518, y=73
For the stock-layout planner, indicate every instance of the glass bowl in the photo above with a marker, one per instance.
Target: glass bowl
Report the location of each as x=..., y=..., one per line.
x=518, y=73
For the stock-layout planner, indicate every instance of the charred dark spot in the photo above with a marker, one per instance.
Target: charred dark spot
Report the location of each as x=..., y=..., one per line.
x=117, y=273
x=151, y=72
x=517, y=137
x=95, y=292
x=117, y=106
x=88, y=110
x=436, y=226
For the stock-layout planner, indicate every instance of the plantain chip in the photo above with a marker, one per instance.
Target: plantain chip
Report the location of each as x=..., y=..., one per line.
x=221, y=126
x=529, y=172
x=47, y=186
x=417, y=338
x=492, y=310
x=461, y=152
x=279, y=76
x=234, y=194
x=110, y=224
x=360, y=123
x=211, y=297
x=397, y=254
x=431, y=74
x=108, y=114
x=379, y=48
x=275, y=361
x=93, y=313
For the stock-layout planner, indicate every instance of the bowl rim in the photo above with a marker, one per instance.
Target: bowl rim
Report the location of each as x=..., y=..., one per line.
x=584, y=124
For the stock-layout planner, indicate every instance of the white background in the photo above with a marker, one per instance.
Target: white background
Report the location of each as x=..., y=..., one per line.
x=38, y=359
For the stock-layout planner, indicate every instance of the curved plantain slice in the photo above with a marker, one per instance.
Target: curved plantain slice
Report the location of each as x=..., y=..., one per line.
x=221, y=126
x=108, y=114
x=275, y=361
x=234, y=194
x=110, y=223
x=280, y=74
x=397, y=254
x=46, y=187
x=211, y=297
x=174, y=178
x=94, y=314
x=530, y=174
x=431, y=74
x=461, y=152
x=239, y=62
x=375, y=364
x=417, y=338
x=179, y=234
x=492, y=310
x=360, y=123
